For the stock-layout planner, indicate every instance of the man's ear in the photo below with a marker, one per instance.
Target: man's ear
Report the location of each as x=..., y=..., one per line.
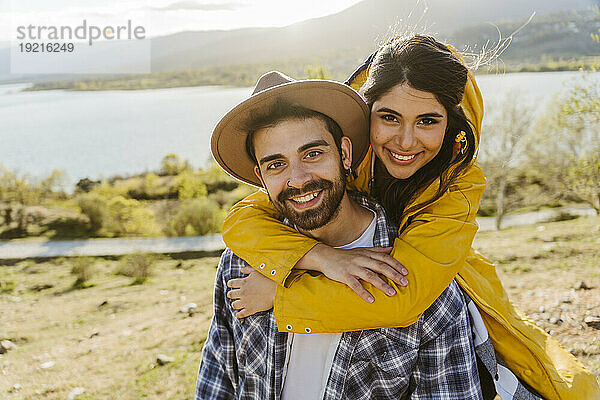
x=346, y=147
x=257, y=173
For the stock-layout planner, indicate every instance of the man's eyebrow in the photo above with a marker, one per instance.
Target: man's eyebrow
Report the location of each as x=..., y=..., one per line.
x=304, y=147
x=272, y=157
x=314, y=143
x=426, y=115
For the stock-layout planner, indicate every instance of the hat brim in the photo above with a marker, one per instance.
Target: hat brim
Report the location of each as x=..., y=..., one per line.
x=336, y=100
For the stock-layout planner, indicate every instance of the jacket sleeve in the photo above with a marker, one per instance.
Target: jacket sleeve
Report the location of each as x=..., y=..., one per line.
x=433, y=248
x=253, y=232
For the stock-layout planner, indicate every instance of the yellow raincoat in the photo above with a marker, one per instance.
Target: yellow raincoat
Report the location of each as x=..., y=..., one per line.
x=435, y=248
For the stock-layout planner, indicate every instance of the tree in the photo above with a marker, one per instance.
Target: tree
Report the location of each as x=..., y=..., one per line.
x=581, y=112
x=86, y=184
x=566, y=142
x=55, y=183
x=17, y=192
x=583, y=179
x=501, y=149
x=316, y=71
x=596, y=36
x=172, y=164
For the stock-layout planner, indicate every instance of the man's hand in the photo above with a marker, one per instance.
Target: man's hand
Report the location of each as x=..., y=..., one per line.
x=349, y=266
x=252, y=294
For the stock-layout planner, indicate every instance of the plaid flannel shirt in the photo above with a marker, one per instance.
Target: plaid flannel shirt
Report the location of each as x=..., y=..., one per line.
x=431, y=359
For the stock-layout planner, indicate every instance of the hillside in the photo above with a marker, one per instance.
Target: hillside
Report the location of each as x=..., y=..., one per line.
x=340, y=41
x=559, y=35
x=343, y=38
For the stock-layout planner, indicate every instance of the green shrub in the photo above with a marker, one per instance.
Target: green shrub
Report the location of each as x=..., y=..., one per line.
x=108, y=190
x=83, y=270
x=7, y=286
x=486, y=210
x=137, y=266
x=128, y=216
x=216, y=179
x=190, y=185
x=67, y=227
x=94, y=207
x=198, y=217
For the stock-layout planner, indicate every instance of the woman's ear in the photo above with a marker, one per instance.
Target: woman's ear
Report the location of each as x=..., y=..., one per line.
x=346, y=152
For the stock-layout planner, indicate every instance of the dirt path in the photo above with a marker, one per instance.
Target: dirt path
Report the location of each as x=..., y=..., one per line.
x=108, y=247
x=120, y=246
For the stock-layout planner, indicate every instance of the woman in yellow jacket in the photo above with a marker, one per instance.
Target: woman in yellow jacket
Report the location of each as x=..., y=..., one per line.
x=434, y=204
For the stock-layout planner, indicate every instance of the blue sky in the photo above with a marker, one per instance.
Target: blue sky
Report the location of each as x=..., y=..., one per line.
x=164, y=16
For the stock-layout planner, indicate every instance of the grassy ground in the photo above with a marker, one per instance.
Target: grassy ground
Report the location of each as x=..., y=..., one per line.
x=541, y=267
x=134, y=324
x=106, y=338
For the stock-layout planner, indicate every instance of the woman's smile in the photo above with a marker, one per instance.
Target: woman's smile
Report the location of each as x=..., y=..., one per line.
x=402, y=159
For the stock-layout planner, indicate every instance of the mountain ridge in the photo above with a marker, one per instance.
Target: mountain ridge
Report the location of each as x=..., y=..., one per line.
x=342, y=40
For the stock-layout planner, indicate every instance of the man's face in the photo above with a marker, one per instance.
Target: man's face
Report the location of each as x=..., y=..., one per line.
x=300, y=167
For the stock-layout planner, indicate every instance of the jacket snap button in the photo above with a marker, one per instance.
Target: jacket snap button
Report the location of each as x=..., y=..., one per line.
x=307, y=330
x=273, y=272
x=289, y=327
x=261, y=266
x=527, y=372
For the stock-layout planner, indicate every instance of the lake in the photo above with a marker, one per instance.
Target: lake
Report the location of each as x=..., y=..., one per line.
x=99, y=134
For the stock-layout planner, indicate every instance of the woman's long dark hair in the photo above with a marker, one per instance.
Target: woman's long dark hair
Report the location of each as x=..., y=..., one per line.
x=427, y=65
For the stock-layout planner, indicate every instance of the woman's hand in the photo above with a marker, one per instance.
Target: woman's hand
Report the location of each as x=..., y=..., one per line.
x=252, y=294
x=349, y=266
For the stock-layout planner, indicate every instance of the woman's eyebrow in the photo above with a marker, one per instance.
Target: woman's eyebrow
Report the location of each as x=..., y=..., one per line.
x=430, y=115
x=389, y=110
x=426, y=115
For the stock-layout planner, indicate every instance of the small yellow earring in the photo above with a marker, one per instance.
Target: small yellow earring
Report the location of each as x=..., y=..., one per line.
x=462, y=139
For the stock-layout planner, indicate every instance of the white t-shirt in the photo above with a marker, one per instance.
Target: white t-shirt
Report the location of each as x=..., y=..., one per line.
x=309, y=357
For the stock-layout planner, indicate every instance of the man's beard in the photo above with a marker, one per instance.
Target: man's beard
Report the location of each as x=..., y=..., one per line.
x=332, y=194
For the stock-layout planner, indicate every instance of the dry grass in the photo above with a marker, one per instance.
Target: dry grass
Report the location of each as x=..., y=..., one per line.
x=49, y=320
x=133, y=324
x=541, y=266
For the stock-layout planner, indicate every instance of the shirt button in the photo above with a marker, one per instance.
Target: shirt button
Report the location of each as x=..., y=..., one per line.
x=273, y=272
x=307, y=330
x=261, y=266
x=527, y=372
x=289, y=327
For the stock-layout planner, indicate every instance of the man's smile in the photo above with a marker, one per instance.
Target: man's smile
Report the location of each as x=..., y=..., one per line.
x=306, y=200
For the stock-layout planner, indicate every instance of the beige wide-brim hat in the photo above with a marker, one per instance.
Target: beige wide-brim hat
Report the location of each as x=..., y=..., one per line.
x=336, y=100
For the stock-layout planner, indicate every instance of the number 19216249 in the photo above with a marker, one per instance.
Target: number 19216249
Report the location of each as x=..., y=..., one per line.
x=46, y=47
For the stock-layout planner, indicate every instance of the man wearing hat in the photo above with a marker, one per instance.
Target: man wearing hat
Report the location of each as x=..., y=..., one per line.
x=298, y=140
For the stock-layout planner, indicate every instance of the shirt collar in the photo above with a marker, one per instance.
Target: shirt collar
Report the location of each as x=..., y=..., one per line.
x=385, y=231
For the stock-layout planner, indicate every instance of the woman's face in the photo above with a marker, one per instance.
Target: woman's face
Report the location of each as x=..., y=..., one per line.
x=407, y=129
